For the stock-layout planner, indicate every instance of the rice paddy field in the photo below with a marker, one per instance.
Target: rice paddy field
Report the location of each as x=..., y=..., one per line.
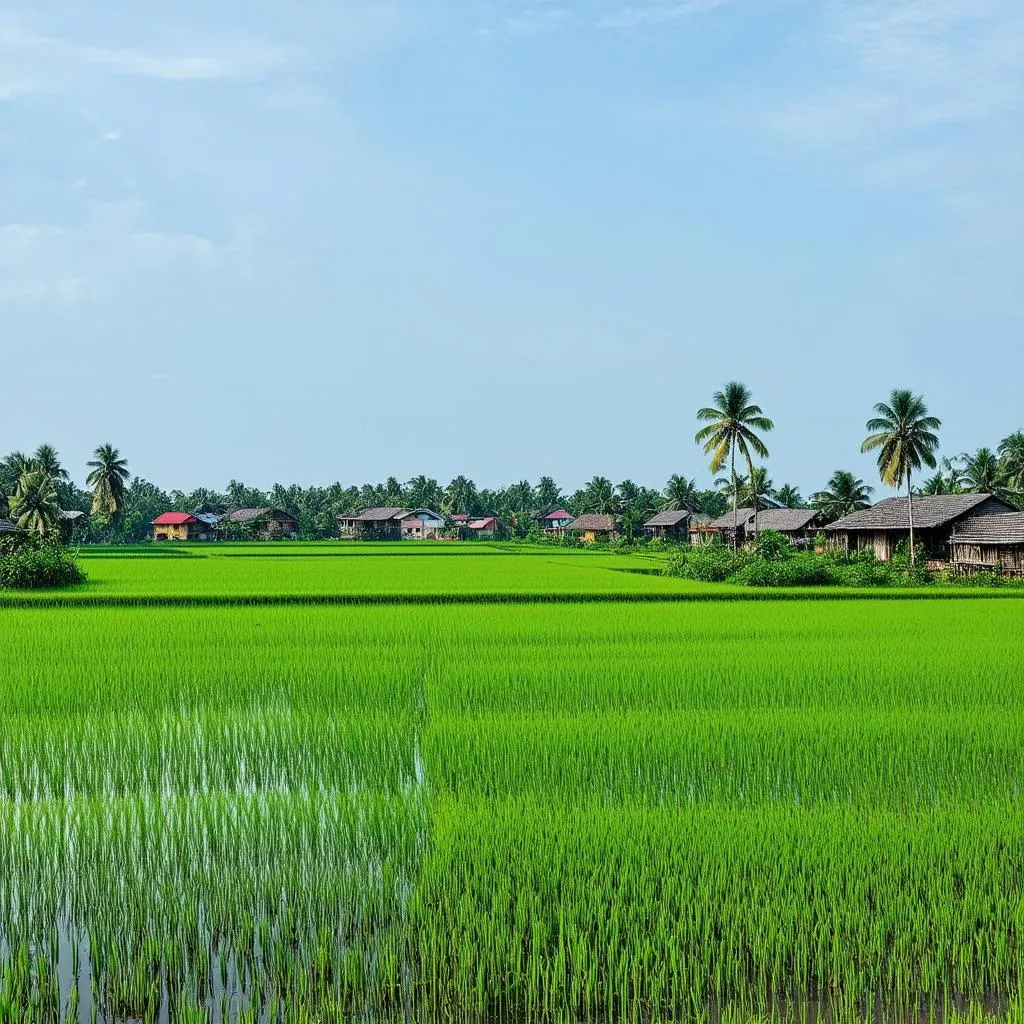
x=638, y=810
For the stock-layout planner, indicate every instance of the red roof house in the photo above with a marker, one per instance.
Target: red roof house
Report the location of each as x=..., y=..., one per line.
x=182, y=526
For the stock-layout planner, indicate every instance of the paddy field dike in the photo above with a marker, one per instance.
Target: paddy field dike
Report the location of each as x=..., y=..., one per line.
x=432, y=782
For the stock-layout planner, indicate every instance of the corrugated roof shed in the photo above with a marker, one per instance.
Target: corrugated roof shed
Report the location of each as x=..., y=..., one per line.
x=930, y=511
x=991, y=531
x=174, y=519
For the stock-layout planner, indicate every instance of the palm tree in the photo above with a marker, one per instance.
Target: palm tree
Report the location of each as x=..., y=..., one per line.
x=11, y=470
x=423, y=492
x=982, y=471
x=1011, y=462
x=935, y=484
x=904, y=436
x=460, y=497
x=731, y=425
x=755, y=488
x=599, y=496
x=789, y=496
x=33, y=506
x=549, y=494
x=844, y=493
x=108, y=473
x=47, y=459
x=681, y=495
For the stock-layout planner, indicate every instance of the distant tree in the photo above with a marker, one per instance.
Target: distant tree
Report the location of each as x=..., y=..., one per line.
x=789, y=496
x=461, y=497
x=844, y=493
x=757, y=486
x=599, y=496
x=680, y=495
x=732, y=425
x=423, y=492
x=549, y=494
x=904, y=435
x=1011, y=462
x=982, y=472
x=108, y=473
x=713, y=504
x=519, y=498
x=33, y=506
x=12, y=467
x=47, y=459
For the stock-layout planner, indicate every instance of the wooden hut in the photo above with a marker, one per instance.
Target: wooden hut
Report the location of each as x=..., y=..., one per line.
x=723, y=528
x=989, y=542
x=882, y=527
x=484, y=528
x=265, y=523
x=674, y=525
x=798, y=525
x=183, y=526
x=593, y=527
x=390, y=523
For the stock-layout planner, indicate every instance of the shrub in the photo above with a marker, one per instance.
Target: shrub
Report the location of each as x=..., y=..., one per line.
x=28, y=563
x=802, y=570
x=706, y=564
x=772, y=545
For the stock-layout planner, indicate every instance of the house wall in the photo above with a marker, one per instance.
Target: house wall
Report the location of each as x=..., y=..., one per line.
x=1009, y=557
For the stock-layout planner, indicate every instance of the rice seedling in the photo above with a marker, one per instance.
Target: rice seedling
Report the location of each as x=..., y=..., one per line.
x=736, y=811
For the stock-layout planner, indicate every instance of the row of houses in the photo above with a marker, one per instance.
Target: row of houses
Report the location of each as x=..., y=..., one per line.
x=967, y=531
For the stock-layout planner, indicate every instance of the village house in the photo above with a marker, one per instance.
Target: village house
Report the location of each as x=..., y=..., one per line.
x=722, y=528
x=265, y=523
x=882, y=527
x=670, y=526
x=989, y=542
x=390, y=523
x=183, y=526
x=593, y=527
x=486, y=528
x=555, y=523
x=798, y=525
x=7, y=528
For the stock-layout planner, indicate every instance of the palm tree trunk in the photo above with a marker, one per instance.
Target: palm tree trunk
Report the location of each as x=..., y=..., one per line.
x=754, y=497
x=910, y=510
x=735, y=501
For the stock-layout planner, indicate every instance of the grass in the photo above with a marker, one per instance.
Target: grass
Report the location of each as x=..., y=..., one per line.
x=633, y=811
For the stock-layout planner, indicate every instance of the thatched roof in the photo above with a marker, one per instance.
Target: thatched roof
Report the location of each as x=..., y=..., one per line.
x=930, y=511
x=6, y=526
x=991, y=531
x=248, y=515
x=676, y=518
x=376, y=515
x=727, y=522
x=595, y=523
x=785, y=520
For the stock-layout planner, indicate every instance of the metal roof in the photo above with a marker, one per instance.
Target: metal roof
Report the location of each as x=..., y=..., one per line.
x=174, y=519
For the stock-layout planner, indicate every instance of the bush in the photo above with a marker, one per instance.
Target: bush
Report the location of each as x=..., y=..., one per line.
x=28, y=563
x=706, y=564
x=803, y=570
x=772, y=546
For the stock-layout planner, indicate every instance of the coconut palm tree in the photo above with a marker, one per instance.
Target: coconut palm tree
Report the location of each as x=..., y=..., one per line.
x=460, y=497
x=680, y=495
x=33, y=506
x=107, y=476
x=904, y=435
x=844, y=493
x=599, y=496
x=755, y=488
x=732, y=423
x=982, y=472
x=1011, y=461
x=789, y=496
x=12, y=467
x=549, y=494
x=47, y=459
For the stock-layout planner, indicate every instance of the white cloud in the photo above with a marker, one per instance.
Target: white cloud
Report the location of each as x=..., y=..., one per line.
x=111, y=136
x=95, y=258
x=661, y=12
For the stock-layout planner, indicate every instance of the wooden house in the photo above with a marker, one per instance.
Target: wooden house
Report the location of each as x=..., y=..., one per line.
x=265, y=523
x=389, y=523
x=670, y=526
x=9, y=529
x=988, y=542
x=593, y=527
x=182, y=526
x=555, y=523
x=882, y=527
x=421, y=524
x=798, y=525
x=485, y=528
x=723, y=528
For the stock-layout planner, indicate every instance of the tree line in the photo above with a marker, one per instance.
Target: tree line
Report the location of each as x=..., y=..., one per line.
x=116, y=507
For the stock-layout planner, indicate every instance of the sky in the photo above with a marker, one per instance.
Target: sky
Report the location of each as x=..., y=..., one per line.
x=321, y=240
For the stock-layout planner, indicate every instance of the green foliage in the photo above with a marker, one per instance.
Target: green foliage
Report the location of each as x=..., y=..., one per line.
x=32, y=563
x=772, y=546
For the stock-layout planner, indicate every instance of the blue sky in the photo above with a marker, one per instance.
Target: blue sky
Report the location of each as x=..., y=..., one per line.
x=323, y=240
